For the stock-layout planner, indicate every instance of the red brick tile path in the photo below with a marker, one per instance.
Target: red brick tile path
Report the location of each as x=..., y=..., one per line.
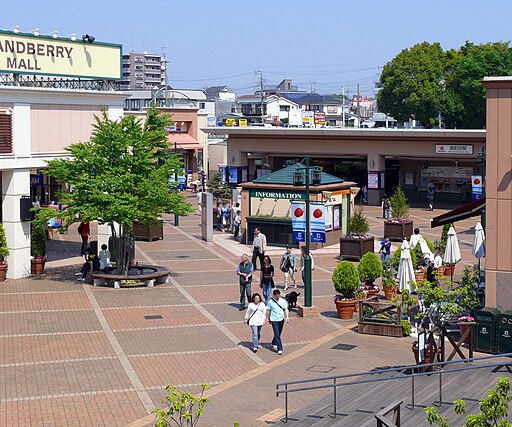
x=72, y=354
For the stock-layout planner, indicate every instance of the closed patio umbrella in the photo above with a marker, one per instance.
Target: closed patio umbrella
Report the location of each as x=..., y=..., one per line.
x=479, y=243
x=424, y=247
x=452, y=251
x=405, y=269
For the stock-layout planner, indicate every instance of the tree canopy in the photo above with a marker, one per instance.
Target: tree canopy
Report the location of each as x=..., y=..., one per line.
x=425, y=82
x=120, y=175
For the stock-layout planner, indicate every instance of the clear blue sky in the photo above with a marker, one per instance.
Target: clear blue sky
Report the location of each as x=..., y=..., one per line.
x=330, y=42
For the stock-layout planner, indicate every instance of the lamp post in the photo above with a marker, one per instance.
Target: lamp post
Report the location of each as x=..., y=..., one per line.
x=309, y=180
x=481, y=157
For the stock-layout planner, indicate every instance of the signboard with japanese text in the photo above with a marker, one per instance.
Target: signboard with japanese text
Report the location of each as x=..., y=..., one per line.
x=454, y=149
x=373, y=180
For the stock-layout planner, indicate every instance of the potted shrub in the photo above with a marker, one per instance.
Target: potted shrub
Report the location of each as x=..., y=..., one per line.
x=389, y=283
x=357, y=242
x=4, y=252
x=38, y=247
x=390, y=287
x=399, y=226
x=346, y=283
x=369, y=268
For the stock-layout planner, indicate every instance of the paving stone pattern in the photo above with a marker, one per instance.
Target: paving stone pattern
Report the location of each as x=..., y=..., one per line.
x=72, y=354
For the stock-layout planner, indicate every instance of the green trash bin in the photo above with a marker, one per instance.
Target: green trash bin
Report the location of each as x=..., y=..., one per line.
x=485, y=340
x=504, y=332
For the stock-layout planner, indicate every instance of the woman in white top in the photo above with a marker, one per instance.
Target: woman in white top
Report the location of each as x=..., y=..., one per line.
x=255, y=318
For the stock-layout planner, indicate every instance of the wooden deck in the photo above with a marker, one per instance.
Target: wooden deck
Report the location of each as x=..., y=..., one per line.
x=357, y=404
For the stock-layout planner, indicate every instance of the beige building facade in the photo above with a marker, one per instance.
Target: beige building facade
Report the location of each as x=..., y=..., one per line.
x=36, y=124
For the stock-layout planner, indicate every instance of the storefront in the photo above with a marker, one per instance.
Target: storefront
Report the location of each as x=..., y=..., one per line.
x=267, y=203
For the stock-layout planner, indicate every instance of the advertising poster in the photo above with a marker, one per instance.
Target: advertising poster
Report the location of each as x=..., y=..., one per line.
x=245, y=174
x=232, y=175
x=336, y=217
x=329, y=218
x=373, y=180
x=299, y=221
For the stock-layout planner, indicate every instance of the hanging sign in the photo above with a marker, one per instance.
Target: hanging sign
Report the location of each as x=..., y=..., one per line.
x=317, y=218
x=477, y=186
x=299, y=221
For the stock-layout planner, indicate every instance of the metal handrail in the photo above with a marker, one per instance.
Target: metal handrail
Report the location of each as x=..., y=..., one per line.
x=335, y=384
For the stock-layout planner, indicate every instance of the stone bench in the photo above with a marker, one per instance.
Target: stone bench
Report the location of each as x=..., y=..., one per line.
x=155, y=275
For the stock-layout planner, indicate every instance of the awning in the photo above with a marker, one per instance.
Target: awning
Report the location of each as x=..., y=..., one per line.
x=467, y=211
x=183, y=141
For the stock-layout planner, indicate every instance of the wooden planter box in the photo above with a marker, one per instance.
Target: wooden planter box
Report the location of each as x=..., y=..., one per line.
x=398, y=231
x=386, y=330
x=149, y=232
x=355, y=248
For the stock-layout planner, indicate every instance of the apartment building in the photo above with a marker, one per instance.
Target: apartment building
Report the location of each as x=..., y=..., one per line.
x=143, y=71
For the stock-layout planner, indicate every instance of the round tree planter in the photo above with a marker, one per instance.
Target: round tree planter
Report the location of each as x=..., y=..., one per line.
x=372, y=292
x=449, y=270
x=346, y=309
x=3, y=272
x=398, y=231
x=420, y=276
x=464, y=326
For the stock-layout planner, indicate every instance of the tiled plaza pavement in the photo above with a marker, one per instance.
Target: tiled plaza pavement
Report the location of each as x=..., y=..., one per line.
x=73, y=354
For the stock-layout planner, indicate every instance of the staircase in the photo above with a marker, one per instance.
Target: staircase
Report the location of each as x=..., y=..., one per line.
x=357, y=404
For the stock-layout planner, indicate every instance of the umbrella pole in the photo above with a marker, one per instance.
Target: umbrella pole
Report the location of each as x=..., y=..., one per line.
x=453, y=268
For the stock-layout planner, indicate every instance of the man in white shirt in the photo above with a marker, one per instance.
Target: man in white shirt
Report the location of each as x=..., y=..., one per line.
x=259, y=245
x=415, y=238
x=435, y=262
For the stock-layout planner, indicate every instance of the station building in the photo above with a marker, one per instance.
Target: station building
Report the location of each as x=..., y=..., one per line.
x=379, y=158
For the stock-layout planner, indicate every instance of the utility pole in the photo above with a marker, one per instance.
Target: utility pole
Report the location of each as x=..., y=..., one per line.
x=358, y=110
x=312, y=83
x=262, y=97
x=343, y=105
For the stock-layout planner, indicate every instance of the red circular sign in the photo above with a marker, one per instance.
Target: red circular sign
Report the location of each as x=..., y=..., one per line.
x=317, y=213
x=298, y=212
x=476, y=181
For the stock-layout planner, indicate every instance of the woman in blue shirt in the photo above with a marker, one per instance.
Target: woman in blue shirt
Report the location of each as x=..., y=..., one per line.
x=277, y=312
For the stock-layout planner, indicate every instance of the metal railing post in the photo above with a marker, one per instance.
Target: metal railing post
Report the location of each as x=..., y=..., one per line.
x=440, y=389
x=286, y=403
x=412, y=390
x=335, y=398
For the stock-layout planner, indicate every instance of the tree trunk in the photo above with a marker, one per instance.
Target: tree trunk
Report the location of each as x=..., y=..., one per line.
x=124, y=246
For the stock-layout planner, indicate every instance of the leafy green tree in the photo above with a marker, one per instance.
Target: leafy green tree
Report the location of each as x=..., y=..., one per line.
x=463, y=103
x=120, y=175
x=219, y=188
x=493, y=409
x=182, y=409
x=412, y=84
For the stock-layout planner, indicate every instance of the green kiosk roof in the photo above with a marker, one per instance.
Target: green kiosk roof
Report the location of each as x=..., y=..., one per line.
x=285, y=177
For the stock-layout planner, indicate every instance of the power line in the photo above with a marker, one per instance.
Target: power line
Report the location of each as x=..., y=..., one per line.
x=213, y=78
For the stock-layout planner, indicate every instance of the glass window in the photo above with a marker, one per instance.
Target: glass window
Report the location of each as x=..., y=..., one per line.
x=202, y=105
x=135, y=104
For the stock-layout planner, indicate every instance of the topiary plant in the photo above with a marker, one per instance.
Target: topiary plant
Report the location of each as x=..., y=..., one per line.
x=419, y=254
x=399, y=204
x=396, y=258
x=358, y=224
x=370, y=268
x=346, y=279
x=38, y=240
x=444, y=237
x=4, y=251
